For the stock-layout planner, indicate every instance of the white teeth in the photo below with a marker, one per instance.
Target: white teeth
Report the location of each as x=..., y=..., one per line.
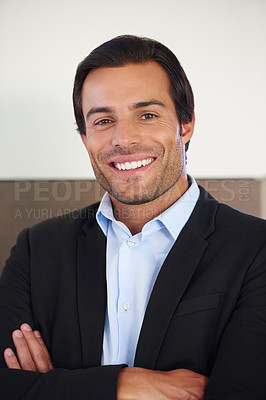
x=133, y=165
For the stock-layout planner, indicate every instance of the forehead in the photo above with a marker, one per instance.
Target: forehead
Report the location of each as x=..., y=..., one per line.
x=130, y=83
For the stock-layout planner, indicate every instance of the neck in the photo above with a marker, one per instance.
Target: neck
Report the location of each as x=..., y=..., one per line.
x=136, y=216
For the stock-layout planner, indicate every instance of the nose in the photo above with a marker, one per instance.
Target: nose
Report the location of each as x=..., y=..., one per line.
x=125, y=134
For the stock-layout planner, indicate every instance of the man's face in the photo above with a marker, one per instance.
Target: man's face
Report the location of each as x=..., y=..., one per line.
x=132, y=131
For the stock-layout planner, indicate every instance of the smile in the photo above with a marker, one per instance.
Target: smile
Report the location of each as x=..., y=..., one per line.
x=133, y=164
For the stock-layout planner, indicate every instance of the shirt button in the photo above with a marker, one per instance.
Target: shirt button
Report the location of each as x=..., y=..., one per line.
x=126, y=306
x=130, y=243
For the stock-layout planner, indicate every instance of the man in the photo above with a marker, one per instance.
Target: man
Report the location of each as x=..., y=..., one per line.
x=159, y=292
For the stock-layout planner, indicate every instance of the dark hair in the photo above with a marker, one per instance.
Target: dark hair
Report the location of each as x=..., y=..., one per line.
x=127, y=49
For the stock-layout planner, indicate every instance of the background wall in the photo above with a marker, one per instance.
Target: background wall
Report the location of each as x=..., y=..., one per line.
x=221, y=45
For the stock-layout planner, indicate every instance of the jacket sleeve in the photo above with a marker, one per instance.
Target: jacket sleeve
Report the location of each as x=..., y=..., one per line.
x=96, y=383
x=240, y=367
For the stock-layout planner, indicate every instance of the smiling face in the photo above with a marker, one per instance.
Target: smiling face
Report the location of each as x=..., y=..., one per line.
x=132, y=132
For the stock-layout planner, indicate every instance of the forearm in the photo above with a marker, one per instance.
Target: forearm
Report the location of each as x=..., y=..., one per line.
x=144, y=384
x=126, y=384
x=97, y=383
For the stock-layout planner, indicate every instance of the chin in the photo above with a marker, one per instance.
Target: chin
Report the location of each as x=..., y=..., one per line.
x=125, y=198
x=134, y=202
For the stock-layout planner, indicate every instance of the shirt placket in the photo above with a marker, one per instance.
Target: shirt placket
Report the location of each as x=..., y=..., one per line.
x=126, y=304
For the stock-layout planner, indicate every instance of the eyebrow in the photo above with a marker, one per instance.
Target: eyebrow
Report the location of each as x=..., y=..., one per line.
x=143, y=104
x=95, y=110
x=135, y=106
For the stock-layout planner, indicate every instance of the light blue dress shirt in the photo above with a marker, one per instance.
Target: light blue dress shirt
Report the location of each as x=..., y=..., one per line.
x=132, y=266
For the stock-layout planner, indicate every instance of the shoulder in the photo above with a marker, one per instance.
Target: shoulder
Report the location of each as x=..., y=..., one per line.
x=226, y=212
x=229, y=224
x=237, y=222
x=241, y=233
x=69, y=224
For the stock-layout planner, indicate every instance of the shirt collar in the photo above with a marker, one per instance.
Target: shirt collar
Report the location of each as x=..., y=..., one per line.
x=174, y=218
x=105, y=213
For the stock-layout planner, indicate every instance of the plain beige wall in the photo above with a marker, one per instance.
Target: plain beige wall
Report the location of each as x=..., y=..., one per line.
x=221, y=45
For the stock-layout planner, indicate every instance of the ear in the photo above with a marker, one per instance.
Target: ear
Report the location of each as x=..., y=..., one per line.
x=187, y=130
x=83, y=138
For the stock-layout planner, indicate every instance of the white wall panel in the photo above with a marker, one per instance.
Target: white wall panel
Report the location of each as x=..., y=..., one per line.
x=221, y=45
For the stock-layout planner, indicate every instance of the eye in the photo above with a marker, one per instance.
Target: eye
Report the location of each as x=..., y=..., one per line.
x=104, y=121
x=148, y=116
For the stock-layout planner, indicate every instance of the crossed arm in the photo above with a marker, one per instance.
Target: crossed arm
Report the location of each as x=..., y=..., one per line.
x=133, y=383
x=238, y=372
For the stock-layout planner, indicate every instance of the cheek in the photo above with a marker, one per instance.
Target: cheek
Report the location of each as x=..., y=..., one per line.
x=169, y=139
x=95, y=143
x=166, y=132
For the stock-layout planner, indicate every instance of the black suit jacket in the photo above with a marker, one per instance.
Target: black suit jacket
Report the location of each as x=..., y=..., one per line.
x=207, y=310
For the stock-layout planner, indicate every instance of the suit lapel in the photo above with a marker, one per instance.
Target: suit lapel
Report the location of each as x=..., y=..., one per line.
x=91, y=292
x=173, y=280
